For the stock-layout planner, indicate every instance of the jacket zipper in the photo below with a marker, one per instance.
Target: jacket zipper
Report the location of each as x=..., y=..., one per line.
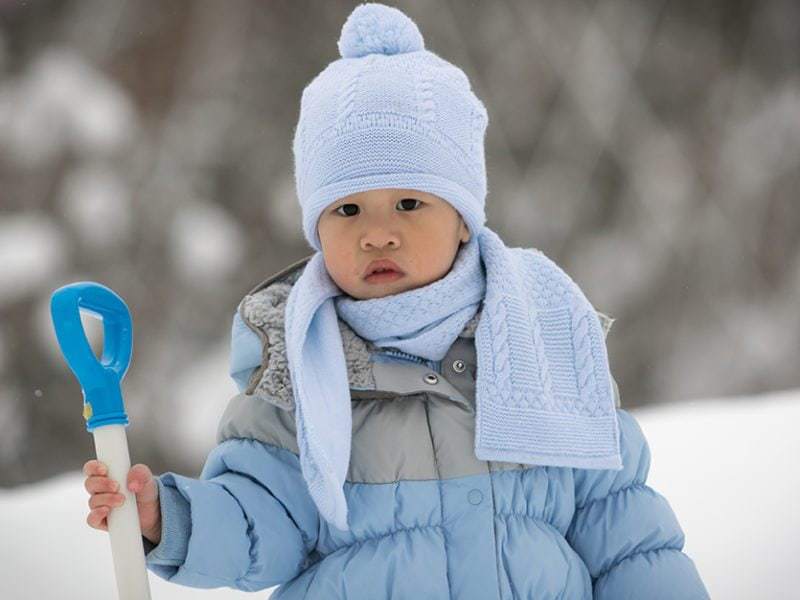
x=434, y=365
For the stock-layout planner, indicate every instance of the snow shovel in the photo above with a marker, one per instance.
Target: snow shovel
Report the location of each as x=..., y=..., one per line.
x=104, y=412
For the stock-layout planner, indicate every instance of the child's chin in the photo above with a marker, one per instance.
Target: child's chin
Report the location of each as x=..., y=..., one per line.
x=380, y=290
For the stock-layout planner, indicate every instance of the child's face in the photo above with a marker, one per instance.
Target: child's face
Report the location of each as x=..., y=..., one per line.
x=420, y=232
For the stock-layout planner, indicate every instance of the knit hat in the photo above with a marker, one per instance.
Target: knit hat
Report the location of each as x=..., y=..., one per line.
x=389, y=114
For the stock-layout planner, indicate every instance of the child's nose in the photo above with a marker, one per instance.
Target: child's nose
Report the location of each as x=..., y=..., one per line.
x=379, y=238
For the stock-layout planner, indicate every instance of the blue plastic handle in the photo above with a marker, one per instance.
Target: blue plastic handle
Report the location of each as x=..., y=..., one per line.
x=99, y=380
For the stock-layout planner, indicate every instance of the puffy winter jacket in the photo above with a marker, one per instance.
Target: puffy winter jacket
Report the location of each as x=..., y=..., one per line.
x=428, y=520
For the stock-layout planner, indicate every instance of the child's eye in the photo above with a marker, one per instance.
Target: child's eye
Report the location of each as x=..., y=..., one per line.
x=410, y=200
x=355, y=209
x=347, y=205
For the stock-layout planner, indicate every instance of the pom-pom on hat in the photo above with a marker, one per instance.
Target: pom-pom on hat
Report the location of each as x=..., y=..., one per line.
x=389, y=114
x=378, y=29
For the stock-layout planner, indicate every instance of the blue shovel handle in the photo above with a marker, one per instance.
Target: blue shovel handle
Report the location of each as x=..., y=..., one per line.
x=99, y=380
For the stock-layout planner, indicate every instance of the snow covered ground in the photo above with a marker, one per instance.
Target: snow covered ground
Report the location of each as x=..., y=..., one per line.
x=727, y=466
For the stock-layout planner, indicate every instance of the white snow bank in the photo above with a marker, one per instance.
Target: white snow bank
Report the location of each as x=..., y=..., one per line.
x=49, y=551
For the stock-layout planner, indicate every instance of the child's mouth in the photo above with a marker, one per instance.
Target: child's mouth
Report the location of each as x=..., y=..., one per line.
x=383, y=276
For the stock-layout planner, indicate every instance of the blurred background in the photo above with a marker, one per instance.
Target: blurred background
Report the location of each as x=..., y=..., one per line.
x=651, y=148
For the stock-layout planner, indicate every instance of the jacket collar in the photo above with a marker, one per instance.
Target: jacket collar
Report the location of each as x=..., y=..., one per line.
x=263, y=309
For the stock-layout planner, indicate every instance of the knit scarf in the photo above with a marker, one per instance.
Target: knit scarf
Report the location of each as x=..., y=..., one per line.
x=543, y=388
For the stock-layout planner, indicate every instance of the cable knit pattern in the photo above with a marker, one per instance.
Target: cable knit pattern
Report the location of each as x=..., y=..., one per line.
x=544, y=392
x=389, y=114
x=447, y=304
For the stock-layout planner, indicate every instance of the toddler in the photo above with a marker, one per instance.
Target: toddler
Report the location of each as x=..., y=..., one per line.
x=424, y=412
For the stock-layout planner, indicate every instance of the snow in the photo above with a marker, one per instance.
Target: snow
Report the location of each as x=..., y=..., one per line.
x=282, y=211
x=32, y=252
x=97, y=204
x=206, y=243
x=204, y=400
x=725, y=466
x=728, y=468
x=50, y=551
x=60, y=102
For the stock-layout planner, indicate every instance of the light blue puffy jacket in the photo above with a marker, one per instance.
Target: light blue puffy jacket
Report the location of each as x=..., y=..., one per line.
x=428, y=520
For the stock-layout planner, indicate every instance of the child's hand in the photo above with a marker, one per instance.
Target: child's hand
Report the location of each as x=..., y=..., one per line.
x=105, y=496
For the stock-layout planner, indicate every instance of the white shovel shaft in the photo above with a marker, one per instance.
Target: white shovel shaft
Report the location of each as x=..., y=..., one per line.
x=127, y=549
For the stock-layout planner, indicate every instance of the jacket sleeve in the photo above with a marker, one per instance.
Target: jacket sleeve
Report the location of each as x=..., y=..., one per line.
x=247, y=523
x=627, y=533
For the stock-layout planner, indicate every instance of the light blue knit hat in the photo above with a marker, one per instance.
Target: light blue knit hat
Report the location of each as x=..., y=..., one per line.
x=389, y=114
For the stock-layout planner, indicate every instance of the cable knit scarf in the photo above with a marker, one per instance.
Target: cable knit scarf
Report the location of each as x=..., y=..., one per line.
x=544, y=392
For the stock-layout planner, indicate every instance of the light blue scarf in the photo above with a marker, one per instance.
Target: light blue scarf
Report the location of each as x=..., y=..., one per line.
x=544, y=392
